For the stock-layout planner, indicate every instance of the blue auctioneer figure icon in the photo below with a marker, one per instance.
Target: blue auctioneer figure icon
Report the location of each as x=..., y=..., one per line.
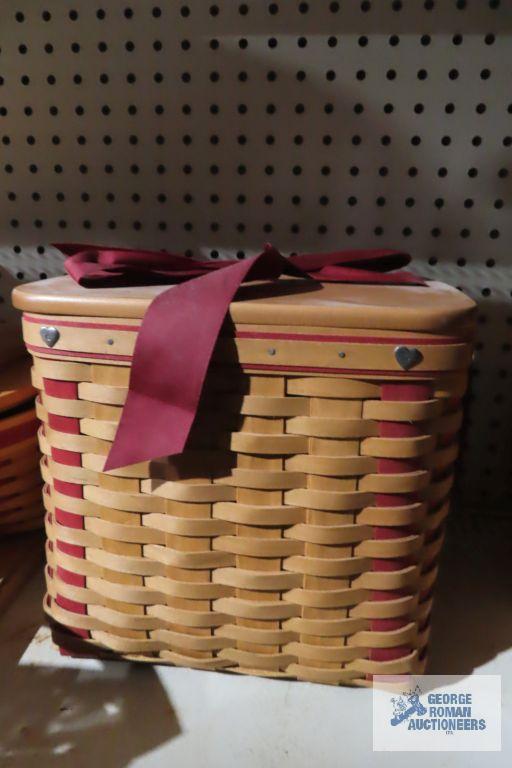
x=403, y=712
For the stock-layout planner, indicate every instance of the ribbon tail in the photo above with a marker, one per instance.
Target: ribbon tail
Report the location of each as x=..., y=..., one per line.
x=170, y=362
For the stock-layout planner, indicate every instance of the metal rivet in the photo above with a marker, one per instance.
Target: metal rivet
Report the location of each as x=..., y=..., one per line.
x=342, y=354
x=271, y=351
x=49, y=334
x=110, y=341
x=408, y=357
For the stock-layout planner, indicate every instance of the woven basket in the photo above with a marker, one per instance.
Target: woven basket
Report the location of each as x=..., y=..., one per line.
x=299, y=533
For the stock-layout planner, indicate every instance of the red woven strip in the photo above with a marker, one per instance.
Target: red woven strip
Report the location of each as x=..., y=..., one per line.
x=382, y=533
x=67, y=424
x=73, y=550
x=396, y=466
x=73, y=607
x=68, y=519
x=73, y=579
x=388, y=625
x=65, y=389
x=394, y=499
x=388, y=654
x=395, y=392
x=408, y=393
x=71, y=520
x=379, y=595
x=68, y=489
x=69, y=458
x=399, y=429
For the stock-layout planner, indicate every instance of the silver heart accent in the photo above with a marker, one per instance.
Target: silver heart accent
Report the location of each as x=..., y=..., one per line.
x=408, y=357
x=49, y=335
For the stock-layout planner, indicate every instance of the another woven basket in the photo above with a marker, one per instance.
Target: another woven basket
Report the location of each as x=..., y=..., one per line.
x=299, y=534
x=20, y=480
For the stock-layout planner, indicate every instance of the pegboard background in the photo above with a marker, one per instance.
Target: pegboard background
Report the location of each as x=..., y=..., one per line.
x=212, y=128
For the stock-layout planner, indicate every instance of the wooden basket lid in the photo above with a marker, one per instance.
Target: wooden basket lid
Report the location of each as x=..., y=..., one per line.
x=435, y=307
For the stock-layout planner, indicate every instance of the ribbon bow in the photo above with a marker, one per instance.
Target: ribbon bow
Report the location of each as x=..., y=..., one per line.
x=181, y=326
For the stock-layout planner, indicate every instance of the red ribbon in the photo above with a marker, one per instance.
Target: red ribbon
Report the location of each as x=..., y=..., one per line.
x=181, y=326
